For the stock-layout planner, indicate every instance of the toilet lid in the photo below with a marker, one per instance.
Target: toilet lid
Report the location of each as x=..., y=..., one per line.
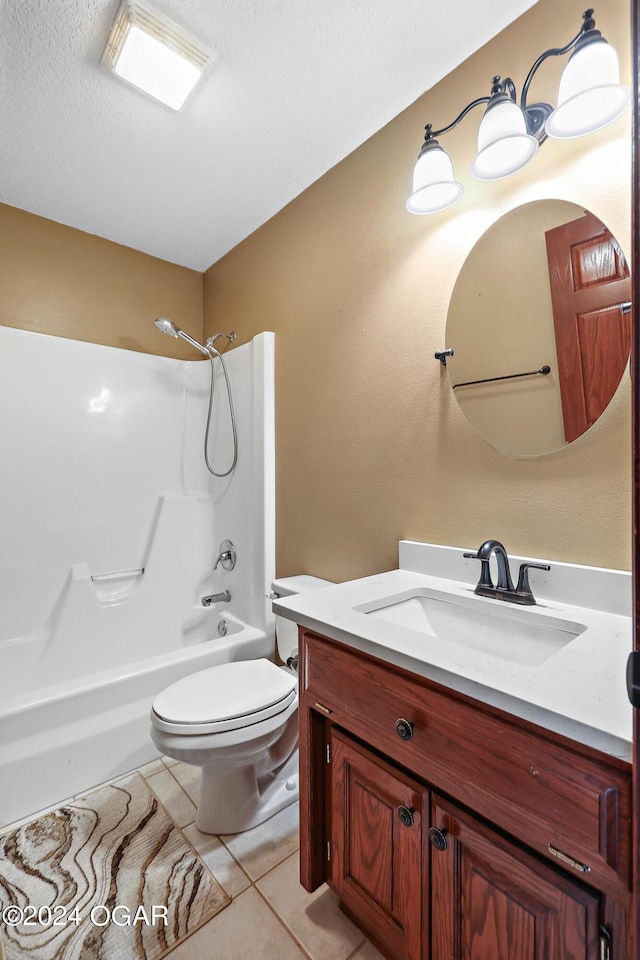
x=229, y=695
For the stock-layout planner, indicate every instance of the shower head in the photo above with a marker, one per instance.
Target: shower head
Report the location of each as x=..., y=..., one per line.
x=167, y=326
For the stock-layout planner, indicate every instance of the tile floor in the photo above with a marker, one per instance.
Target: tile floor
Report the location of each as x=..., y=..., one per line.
x=271, y=916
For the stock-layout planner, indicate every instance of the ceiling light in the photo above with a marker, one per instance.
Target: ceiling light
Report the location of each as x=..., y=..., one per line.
x=154, y=55
x=590, y=96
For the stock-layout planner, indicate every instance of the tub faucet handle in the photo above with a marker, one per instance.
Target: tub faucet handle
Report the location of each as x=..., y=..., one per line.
x=226, y=556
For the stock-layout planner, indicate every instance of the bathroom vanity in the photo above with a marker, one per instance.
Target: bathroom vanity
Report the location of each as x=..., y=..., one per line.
x=454, y=818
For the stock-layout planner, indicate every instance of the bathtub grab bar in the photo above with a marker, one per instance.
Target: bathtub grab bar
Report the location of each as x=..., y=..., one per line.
x=125, y=575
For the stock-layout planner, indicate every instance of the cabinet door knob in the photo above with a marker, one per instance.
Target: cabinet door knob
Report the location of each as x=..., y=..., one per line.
x=406, y=815
x=404, y=729
x=438, y=838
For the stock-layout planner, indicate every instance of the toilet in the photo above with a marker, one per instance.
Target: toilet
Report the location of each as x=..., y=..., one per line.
x=238, y=722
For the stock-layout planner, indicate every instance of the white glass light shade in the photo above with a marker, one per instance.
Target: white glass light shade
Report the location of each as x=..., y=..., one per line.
x=434, y=187
x=152, y=54
x=503, y=142
x=590, y=94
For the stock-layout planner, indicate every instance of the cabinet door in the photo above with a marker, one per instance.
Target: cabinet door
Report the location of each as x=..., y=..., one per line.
x=490, y=900
x=376, y=865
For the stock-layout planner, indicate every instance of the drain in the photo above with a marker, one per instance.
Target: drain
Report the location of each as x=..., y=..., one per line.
x=222, y=628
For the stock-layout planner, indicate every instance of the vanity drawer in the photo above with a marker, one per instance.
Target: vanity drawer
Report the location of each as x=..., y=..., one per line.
x=532, y=783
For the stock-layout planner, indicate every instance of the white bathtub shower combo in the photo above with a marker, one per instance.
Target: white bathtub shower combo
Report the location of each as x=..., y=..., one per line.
x=111, y=526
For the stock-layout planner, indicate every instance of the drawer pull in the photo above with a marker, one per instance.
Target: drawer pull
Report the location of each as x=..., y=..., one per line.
x=321, y=706
x=438, y=838
x=565, y=858
x=405, y=815
x=404, y=729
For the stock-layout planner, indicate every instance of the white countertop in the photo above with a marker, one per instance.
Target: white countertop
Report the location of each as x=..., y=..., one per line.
x=579, y=691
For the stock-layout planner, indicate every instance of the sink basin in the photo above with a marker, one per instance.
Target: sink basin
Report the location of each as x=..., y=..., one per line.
x=519, y=635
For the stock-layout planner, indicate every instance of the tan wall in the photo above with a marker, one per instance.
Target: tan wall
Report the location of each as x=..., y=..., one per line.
x=371, y=446
x=61, y=281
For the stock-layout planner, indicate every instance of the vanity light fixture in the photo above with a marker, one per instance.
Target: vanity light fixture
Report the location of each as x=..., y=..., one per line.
x=590, y=97
x=153, y=54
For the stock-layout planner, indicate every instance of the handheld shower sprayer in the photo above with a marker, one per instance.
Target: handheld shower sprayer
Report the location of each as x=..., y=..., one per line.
x=167, y=326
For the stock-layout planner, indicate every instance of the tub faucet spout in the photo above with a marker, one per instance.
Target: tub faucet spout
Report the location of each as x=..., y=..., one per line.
x=223, y=597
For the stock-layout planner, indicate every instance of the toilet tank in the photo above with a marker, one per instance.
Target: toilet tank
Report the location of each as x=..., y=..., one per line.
x=287, y=630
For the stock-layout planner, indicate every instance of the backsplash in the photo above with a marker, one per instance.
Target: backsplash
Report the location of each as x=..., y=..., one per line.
x=571, y=583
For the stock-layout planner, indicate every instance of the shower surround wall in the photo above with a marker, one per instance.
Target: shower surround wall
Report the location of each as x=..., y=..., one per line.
x=110, y=528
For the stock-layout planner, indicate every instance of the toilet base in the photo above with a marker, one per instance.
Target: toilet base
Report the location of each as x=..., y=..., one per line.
x=232, y=801
x=248, y=773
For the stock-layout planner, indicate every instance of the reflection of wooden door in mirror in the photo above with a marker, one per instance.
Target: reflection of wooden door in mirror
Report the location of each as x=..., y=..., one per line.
x=589, y=282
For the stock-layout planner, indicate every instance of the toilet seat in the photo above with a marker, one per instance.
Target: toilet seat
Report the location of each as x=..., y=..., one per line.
x=223, y=698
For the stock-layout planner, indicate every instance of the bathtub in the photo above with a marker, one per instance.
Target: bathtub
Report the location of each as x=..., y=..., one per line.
x=65, y=737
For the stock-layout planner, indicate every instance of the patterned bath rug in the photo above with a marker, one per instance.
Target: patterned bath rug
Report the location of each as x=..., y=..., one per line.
x=106, y=877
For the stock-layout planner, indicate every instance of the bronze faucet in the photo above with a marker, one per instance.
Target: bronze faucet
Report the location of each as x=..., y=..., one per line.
x=504, y=589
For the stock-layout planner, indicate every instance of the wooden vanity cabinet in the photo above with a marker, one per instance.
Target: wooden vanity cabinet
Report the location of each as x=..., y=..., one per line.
x=490, y=898
x=450, y=830
x=377, y=862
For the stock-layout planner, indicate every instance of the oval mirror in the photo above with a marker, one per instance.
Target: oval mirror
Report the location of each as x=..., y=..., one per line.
x=540, y=327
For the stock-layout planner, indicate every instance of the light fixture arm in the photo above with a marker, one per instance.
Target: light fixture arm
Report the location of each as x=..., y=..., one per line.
x=430, y=133
x=499, y=88
x=588, y=24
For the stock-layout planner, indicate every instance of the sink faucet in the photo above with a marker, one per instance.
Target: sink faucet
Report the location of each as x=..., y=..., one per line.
x=223, y=597
x=504, y=589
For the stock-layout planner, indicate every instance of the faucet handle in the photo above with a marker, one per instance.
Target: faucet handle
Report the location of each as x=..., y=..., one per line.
x=485, y=572
x=523, y=588
x=226, y=556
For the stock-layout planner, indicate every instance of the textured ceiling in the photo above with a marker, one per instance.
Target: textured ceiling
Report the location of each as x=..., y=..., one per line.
x=296, y=86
